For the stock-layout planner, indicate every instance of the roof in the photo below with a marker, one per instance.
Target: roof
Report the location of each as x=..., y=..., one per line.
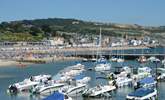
x=55, y=96
x=147, y=80
x=141, y=92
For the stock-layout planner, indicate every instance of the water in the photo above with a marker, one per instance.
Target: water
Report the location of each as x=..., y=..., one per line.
x=12, y=74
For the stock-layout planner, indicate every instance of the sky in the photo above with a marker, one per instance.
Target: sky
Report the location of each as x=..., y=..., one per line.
x=142, y=12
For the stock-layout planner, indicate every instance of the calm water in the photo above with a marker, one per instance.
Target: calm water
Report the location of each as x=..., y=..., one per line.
x=12, y=74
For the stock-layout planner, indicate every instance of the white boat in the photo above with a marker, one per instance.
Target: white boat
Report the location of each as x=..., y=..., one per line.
x=47, y=87
x=102, y=64
x=83, y=80
x=69, y=73
x=161, y=75
x=163, y=62
x=113, y=59
x=28, y=83
x=142, y=73
x=153, y=59
x=119, y=60
x=123, y=81
x=73, y=90
x=143, y=94
x=98, y=91
x=103, y=67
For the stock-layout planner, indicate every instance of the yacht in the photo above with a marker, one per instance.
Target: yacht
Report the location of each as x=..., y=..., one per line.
x=143, y=94
x=113, y=59
x=142, y=73
x=28, y=83
x=73, y=90
x=123, y=81
x=98, y=91
x=148, y=82
x=153, y=59
x=47, y=87
x=103, y=67
x=81, y=78
x=69, y=73
x=120, y=60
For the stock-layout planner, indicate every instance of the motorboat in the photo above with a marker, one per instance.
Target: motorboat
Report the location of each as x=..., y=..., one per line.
x=98, y=91
x=28, y=83
x=47, y=87
x=148, y=82
x=161, y=74
x=69, y=73
x=120, y=60
x=123, y=81
x=124, y=78
x=143, y=94
x=73, y=89
x=153, y=59
x=58, y=96
x=103, y=67
x=163, y=62
x=142, y=73
x=113, y=59
x=81, y=78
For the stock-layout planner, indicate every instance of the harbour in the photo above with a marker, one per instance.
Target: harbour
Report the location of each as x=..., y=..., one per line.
x=15, y=74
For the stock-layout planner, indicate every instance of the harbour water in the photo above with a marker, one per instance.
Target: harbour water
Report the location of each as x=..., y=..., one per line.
x=12, y=74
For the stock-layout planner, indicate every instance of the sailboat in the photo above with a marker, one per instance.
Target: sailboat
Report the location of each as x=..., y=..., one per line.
x=102, y=64
x=121, y=59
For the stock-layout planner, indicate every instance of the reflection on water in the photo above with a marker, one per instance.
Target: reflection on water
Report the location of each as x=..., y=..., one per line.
x=14, y=74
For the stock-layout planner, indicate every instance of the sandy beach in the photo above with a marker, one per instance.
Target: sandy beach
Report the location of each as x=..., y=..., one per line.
x=4, y=63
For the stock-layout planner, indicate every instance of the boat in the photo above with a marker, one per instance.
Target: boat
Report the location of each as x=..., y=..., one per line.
x=113, y=59
x=81, y=78
x=73, y=89
x=69, y=72
x=28, y=83
x=163, y=63
x=58, y=96
x=47, y=87
x=123, y=81
x=161, y=74
x=124, y=77
x=103, y=67
x=153, y=59
x=120, y=60
x=148, y=82
x=101, y=64
x=98, y=91
x=142, y=73
x=143, y=94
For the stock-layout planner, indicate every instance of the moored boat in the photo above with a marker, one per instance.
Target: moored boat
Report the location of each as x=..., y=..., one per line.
x=28, y=83
x=47, y=87
x=143, y=94
x=98, y=91
x=73, y=89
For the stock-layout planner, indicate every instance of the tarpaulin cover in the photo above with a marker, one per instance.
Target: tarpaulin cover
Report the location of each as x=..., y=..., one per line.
x=55, y=96
x=141, y=92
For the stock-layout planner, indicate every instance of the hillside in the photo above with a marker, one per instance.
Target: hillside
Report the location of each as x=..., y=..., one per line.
x=36, y=30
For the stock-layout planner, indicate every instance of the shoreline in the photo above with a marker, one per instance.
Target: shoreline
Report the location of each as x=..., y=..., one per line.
x=5, y=63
